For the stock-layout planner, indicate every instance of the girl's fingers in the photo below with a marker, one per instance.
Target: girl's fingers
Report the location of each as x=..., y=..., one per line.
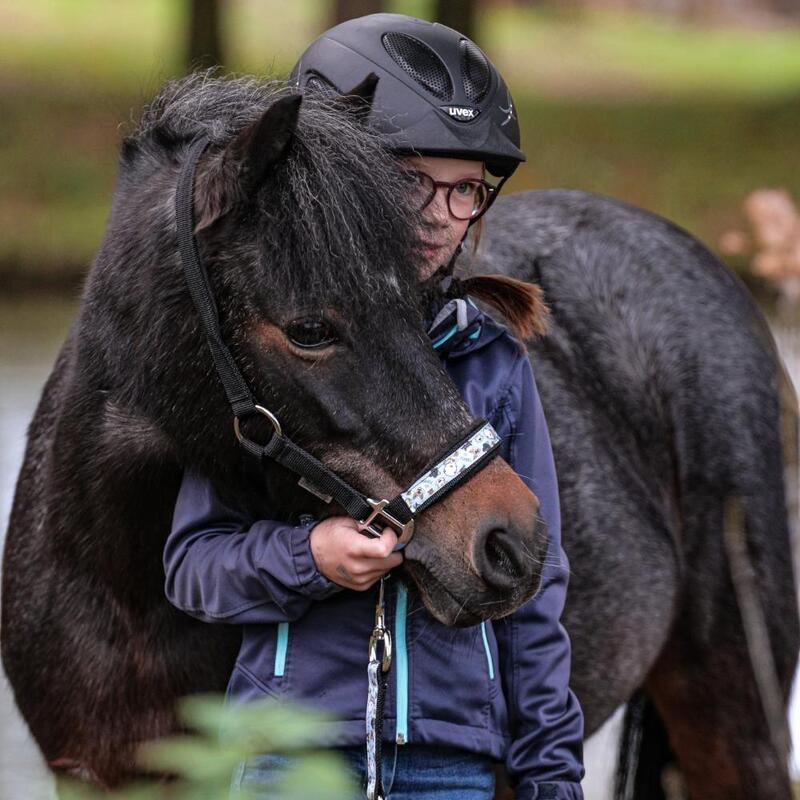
x=366, y=572
x=376, y=547
x=350, y=559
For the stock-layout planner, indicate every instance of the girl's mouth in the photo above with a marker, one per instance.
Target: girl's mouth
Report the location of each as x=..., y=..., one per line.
x=430, y=249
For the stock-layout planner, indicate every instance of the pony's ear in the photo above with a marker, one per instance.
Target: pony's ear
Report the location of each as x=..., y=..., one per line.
x=243, y=166
x=359, y=99
x=520, y=303
x=260, y=145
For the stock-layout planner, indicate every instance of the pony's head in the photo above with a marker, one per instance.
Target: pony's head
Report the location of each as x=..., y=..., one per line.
x=308, y=239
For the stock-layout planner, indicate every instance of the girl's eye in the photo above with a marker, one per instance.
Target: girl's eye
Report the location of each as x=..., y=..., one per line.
x=310, y=333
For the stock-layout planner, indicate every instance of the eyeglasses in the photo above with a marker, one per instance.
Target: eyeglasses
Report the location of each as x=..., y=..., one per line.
x=466, y=199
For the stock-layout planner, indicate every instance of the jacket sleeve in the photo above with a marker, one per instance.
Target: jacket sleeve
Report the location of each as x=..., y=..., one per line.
x=222, y=566
x=545, y=757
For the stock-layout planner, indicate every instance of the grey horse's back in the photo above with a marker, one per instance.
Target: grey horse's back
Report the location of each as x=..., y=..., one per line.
x=659, y=333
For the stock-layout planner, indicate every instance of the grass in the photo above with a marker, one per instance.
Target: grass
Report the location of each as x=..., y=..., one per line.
x=691, y=161
x=683, y=121
x=610, y=53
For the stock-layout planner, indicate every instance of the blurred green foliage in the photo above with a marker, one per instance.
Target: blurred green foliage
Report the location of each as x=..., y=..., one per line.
x=683, y=121
x=611, y=52
x=225, y=735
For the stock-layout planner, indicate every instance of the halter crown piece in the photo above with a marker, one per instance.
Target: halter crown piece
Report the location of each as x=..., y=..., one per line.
x=458, y=463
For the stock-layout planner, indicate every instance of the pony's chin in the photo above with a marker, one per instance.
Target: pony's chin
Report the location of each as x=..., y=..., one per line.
x=448, y=609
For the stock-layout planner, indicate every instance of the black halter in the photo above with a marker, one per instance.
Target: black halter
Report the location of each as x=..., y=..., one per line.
x=459, y=462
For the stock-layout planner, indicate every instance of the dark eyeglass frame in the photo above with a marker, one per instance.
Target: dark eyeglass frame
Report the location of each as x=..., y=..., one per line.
x=487, y=201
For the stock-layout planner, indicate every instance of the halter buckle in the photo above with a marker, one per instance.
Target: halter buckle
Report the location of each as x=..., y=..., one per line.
x=404, y=530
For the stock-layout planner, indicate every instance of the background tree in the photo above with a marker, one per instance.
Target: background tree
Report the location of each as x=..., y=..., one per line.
x=458, y=14
x=787, y=8
x=205, y=39
x=348, y=9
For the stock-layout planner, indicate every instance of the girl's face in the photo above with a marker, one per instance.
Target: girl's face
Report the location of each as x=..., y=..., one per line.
x=441, y=232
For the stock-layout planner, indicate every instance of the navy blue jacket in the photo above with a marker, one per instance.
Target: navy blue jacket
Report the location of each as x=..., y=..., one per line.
x=499, y=688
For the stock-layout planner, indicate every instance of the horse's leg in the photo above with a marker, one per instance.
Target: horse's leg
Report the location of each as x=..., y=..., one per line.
x=705, y=689
x=716, y=725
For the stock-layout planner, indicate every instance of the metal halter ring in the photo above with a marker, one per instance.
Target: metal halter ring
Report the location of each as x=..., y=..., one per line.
x=261, y=410
x=385, y=637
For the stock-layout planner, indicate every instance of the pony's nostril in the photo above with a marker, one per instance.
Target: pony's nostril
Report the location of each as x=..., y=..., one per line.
x=501, y=559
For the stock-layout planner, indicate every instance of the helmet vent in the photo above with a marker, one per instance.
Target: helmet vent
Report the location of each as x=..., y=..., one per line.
x=420, y=62
x=325, y=88
x=475, y=71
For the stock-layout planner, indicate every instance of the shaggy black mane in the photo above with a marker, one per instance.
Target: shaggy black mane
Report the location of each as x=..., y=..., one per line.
x=204, y=102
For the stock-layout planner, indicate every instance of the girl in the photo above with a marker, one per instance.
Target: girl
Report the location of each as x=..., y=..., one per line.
x=458, y=699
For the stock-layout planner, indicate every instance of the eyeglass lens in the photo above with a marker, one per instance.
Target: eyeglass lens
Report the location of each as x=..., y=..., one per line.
x=465, y=198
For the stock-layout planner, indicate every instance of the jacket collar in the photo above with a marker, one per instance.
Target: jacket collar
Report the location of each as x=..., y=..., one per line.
x=457, y=327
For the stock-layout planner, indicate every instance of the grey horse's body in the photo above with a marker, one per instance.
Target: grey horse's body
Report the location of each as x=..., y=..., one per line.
x=662, y=388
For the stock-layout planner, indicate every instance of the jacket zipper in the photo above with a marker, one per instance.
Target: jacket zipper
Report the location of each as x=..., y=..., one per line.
x=401, y=656
x=280, y=648
x=442, y=339
x=489, y=661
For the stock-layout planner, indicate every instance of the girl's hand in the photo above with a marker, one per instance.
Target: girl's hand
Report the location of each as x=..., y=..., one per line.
x=350, y=559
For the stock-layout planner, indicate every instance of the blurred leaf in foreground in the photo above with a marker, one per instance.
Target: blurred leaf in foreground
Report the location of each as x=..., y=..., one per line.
x=222, y=737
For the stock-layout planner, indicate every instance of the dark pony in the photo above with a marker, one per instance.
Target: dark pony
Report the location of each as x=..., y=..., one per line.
x=300, y=214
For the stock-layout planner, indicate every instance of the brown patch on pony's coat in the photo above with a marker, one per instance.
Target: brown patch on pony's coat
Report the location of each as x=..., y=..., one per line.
x=521, y=304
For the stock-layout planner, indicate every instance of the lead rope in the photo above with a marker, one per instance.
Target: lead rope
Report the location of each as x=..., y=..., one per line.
x=377, y=675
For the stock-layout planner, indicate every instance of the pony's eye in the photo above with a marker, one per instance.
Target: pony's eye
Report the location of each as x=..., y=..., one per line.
x=310, y=333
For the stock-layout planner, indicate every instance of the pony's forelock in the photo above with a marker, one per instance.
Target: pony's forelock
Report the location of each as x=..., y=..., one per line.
x=333, y=220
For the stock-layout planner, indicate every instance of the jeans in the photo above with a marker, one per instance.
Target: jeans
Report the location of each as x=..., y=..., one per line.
x=418, y=772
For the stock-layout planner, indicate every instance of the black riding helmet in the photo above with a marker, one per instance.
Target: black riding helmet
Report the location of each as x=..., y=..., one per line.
x=437, y=93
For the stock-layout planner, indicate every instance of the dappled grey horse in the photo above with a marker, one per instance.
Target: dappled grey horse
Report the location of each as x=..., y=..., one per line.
x=659, y=379
x=666, y=403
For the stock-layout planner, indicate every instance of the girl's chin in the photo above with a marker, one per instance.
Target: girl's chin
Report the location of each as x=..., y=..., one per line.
x=427, y=270
x=431, y=259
